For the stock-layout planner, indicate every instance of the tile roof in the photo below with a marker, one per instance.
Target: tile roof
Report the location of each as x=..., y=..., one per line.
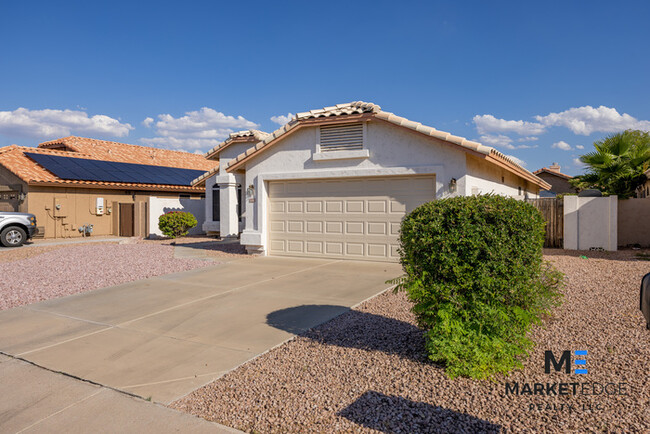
x=360, y=108
x=552, y=172
x=252, y=136
x=13, y=158
x=125, y=153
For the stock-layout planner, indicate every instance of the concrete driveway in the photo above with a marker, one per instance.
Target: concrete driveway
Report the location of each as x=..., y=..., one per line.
x=163, y=337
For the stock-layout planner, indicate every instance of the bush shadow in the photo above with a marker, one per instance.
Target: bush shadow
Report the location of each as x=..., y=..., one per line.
x=392, y=414
x=353, y=329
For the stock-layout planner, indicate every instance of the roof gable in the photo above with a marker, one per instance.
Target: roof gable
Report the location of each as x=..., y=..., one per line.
x=360, y=111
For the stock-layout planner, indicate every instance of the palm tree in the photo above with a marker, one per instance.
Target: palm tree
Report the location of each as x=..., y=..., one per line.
x=617, y=165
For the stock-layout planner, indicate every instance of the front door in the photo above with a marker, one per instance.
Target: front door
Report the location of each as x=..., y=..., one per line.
x=126, y=219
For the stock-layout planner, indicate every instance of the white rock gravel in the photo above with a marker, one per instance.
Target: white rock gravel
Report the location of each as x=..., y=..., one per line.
x=365, y=371
x=81, y=268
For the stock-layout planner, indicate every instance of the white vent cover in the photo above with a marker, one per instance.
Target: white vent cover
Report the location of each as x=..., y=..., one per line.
x=348, y=137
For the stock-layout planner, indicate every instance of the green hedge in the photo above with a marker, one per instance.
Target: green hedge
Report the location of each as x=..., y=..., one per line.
x=475, y=273
x=176, y=223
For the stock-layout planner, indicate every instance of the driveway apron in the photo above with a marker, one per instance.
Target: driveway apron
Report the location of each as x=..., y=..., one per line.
x=163, y=337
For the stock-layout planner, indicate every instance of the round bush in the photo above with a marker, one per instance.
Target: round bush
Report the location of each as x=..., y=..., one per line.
x=475, y=273
x=176, y=223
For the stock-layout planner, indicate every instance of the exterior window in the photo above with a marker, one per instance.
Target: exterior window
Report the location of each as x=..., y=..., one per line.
x=348, y=137
x=216, y=203
x=239, y=202
x=519, y=190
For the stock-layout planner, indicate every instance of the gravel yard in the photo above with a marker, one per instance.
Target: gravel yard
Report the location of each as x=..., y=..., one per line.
x=366, y=371
x=43, y=272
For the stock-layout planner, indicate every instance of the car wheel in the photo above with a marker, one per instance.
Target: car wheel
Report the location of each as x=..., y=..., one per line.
x=13, y=236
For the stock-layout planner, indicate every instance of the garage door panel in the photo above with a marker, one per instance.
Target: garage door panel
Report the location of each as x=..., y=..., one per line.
x=347, y=218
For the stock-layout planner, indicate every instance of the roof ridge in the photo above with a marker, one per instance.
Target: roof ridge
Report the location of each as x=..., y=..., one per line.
x=361, y=107
x=62, y=141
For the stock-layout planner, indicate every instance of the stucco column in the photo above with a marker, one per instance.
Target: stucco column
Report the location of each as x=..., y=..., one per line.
x=228, y=220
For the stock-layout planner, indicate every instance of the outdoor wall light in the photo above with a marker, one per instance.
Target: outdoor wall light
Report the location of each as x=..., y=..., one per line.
x=22, y=197
x=452, y=185
x=250, y=191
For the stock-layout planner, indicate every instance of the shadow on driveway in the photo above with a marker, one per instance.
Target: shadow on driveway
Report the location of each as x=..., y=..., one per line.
x=354, y=329
x=391, y=414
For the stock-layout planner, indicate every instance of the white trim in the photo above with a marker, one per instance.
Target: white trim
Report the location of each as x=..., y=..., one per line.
x=340, y=155
x=352, y=173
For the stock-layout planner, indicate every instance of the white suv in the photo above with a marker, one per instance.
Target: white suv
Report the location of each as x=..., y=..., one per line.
x=16, y=228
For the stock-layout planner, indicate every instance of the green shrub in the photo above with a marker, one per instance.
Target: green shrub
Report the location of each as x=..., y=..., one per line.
x=176, y=223
x=475, y=273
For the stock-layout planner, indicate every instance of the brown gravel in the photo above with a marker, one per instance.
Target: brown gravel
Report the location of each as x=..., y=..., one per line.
x=365, y=371
x=20, y=253
x=71, y=269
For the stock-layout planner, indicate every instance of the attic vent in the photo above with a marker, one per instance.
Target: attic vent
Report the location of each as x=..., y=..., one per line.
x=347, y=137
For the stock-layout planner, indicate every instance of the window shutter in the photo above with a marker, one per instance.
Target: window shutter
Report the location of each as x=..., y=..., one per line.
x=347, y=137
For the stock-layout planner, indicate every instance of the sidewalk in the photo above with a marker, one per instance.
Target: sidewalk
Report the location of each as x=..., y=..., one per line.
x=36, y=400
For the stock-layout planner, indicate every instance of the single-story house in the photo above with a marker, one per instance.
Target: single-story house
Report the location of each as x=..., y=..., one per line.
x=74, y=182
x=559, y=181
x=336, y=182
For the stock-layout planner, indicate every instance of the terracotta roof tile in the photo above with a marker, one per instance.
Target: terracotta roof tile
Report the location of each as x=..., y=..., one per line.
x=13, y=158
x=360, y=107
x=125, y=153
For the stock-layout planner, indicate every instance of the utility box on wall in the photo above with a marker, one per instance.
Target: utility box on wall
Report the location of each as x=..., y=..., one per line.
x=590, y=222
x=100, y=206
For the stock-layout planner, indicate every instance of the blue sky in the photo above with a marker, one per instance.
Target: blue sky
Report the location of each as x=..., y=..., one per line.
x=534, y=79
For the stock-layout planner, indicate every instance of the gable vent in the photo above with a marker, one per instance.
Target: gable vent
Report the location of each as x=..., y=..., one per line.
x=347, y=137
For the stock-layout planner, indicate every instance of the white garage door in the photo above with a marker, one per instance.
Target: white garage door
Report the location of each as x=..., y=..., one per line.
x=345, y=218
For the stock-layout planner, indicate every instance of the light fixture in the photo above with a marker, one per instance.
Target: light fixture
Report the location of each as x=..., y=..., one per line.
x=250, y=192
x=22, y=197
x=452, y=185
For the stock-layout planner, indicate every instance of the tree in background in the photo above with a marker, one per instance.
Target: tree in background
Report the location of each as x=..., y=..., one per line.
x=617, y=165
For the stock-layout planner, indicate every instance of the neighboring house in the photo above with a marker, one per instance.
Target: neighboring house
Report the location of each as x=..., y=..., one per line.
x=337, y=182
x=559, y=181
x=74, y=181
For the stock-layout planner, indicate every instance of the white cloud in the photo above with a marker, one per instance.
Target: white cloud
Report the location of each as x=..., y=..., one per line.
x=519, y=161
x=147, y=122
x=489, y=124
x=579, y=147
x=579, y=164
x=528, y=139
x=561, y=145
x=282, y=119
x=498, y=140
x=583, y=120
x=49, y=123
x=200, y=129
x=502, y=141
x=586, y=120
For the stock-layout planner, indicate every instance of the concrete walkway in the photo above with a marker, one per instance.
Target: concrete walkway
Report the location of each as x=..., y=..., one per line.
x=163, y=337
x=35, y=400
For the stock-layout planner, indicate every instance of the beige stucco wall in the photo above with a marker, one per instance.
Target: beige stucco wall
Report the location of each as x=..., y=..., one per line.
x=484, y=177
x=11, y=183
x=78, y=207
x=634, y=222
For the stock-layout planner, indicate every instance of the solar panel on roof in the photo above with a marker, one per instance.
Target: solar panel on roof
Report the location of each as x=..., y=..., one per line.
x=82, y=169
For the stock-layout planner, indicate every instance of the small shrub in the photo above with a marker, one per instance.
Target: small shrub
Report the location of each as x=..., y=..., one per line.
x=176, y=223
x=475, y=273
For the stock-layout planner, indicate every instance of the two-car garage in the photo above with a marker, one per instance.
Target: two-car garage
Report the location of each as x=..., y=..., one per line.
x=345, y=218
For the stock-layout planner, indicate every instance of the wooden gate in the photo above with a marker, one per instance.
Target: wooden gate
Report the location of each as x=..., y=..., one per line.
x=126, y=219
x=552, y=209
